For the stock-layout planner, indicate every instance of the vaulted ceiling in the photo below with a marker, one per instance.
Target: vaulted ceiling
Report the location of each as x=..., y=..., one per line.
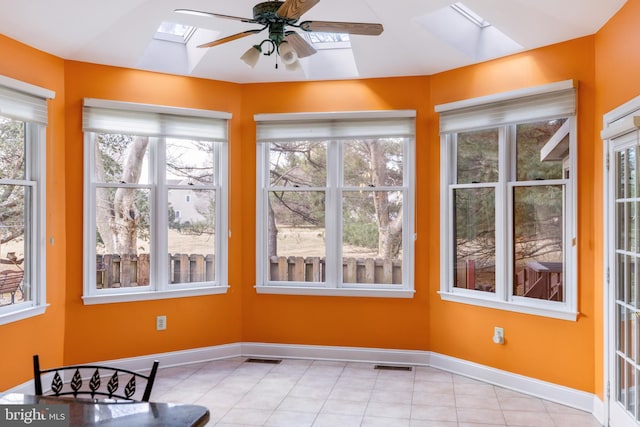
x=420, y=37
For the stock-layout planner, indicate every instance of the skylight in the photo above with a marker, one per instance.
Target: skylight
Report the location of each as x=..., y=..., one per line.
x=329, y=40
x=470, y=33
x=470, y=15
x=173, y=32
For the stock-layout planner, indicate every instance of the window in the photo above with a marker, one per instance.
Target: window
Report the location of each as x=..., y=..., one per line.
x=142, y=164
x=23, y=121
x=335, y=203
x=508, y=201
x=174, y=32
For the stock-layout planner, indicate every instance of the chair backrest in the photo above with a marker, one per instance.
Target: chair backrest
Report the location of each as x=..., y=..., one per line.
x=94, y=381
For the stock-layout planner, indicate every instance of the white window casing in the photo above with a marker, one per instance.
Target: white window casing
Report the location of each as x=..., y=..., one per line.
x=29, y=103
x=333, y=128
x=159, y=123
x=504, y=111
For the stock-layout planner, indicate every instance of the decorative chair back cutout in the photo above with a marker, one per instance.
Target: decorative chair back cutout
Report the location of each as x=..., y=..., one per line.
x=95, y=382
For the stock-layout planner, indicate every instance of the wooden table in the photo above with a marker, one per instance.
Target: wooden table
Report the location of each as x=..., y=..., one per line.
x=84, y=412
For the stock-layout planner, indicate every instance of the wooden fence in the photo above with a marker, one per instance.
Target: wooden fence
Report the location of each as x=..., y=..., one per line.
x=115, y=271
x=312, y=269
x=118, y=271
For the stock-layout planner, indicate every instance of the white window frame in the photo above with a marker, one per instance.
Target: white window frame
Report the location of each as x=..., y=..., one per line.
x=159, y=287
x=551, y=101
x=26, y=102
x=299, y=128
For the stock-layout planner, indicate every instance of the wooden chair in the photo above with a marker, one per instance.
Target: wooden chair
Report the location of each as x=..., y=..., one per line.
x=87, y=381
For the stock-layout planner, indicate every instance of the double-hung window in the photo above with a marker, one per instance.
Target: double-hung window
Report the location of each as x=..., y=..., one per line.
x=335, y=203
x=508, y=165
x=23, y=121
x=155, y=201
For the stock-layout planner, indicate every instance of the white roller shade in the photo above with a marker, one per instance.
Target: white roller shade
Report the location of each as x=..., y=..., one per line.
x=314, y=126
x=22, y=101
x=152, y=120
x=537, y=103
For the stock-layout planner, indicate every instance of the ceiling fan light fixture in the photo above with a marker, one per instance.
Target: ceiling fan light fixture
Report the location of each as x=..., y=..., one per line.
x=276, y=16
x=251, y=56
x=287, y=53
x=295, y=65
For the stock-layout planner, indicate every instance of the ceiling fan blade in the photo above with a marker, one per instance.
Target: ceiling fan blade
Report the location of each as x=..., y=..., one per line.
x=231, y=38
x=299, y=44
x=362, y=28
x=213, y=15
x=293, y=9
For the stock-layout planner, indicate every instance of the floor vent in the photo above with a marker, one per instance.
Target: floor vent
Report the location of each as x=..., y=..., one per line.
x=393, y=368
x=261, y=360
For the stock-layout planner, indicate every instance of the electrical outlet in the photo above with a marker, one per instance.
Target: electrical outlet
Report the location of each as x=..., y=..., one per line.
x=498, y=335
x=161, y=323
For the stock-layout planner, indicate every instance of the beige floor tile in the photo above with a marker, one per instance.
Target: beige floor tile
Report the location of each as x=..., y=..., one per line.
x=290, y=419
x=389, y=410
x=477, y=415
x=250, y=417
x=528, y=419
x=301, y=404
x=385, y=422
x=344, y=407
x=428, y=423
x=434, y=413
x=305, y=393
x=335, y=420
x=433, y=399
x=574, y=420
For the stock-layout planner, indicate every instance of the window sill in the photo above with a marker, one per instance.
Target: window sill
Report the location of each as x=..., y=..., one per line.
x=562, y=311
x=341, y=292
x=21, y=314
x=108, y=298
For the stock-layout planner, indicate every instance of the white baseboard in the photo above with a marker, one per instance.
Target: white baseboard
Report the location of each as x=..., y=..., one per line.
x=351, y=354
x=599, y=410
x=531, y=386
x=527, y=385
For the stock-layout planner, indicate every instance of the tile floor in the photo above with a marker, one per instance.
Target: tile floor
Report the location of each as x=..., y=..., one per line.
x=300, y=393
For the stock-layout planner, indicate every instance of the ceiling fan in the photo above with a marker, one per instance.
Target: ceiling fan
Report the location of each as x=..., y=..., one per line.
x=289, y=45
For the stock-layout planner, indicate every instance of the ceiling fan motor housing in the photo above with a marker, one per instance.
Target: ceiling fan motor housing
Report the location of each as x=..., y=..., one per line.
x=265, y=13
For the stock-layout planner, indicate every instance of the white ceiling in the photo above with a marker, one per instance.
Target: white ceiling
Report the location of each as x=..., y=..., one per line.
x=120, y=33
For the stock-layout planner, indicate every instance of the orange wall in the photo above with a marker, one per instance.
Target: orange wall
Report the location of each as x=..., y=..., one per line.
x=552, y=350
x=563, y=352
x=111, y=331
x=42, y=334
x=345, y=321
x=617, y=70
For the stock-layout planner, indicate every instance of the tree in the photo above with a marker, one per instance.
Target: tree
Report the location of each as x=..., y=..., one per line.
x=537, y=209
x=12, y=166
x=117, y=210
x=372, y=218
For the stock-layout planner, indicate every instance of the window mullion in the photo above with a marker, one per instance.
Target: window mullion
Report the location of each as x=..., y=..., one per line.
x=503, y=213
x=221, y=223
x=262, y=213
x=159, y=223
x=333, y=216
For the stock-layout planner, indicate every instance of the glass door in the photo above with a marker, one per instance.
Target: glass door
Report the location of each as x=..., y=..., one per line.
x=624, y=275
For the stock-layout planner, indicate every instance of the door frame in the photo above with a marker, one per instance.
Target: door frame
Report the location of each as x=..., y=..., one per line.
x=614, y=125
